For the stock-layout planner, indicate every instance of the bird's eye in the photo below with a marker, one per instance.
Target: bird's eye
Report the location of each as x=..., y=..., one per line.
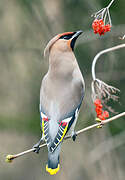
x=67, y=37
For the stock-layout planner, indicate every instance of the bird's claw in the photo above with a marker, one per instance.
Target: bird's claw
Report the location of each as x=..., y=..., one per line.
x=36, y=148
x=74, y=136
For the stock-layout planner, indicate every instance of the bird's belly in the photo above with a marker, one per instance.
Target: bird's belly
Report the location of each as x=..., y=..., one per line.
x=56, y=105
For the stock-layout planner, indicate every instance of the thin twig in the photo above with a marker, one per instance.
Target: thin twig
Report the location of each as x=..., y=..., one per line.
x=110, y=4
x=9, y=158
x=103, y=52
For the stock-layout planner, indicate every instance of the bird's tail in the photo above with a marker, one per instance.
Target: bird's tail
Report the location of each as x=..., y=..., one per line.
x=53, y=165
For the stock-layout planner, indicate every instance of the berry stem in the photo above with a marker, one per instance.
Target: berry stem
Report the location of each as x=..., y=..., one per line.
x=110, y=4
x=105, y=17
x=109, y=17
x=100, y=11
x=103, y=12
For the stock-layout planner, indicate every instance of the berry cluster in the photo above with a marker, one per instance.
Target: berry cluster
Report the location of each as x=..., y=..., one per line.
x=99, y=111
x=99, y=27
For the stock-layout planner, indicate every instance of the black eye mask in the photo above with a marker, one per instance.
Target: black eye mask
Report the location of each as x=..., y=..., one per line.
x=68, y=36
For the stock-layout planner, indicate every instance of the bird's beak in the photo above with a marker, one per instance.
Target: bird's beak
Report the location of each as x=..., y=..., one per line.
x=74, y=37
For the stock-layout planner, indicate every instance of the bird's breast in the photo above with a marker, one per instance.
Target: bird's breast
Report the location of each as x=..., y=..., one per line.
x=60, y=98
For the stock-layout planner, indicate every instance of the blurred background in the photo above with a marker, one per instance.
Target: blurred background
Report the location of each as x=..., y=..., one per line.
x=25, y=28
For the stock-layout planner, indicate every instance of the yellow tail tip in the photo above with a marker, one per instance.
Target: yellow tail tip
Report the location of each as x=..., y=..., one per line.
x=52, y=171
x=9, y=158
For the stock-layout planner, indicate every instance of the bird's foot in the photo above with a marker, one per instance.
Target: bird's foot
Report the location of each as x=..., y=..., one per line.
x=74, y=136
x=36, y=148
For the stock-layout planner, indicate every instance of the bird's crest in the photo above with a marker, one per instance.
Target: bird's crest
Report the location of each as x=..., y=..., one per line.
x=52, y=41
x=49, y=45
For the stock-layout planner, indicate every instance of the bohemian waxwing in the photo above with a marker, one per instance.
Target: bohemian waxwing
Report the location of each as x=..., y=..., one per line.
x=61, y=95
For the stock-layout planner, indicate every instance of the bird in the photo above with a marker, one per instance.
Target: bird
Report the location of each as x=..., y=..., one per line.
x=61, y=95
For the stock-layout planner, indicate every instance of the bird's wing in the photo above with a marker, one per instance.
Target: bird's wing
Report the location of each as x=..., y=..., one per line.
x=64, y=126
x=45, y=127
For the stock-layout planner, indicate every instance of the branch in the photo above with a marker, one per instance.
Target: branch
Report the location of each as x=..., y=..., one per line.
x=9, y=158
x=101, y=90
x=103, y=52
x=110, y=4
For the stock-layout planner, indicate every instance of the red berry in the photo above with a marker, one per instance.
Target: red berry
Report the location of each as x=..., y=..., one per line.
x=97, y=102
x=101, y=31
x=101, y=117
x=99, y=27
x=105, y=114
x=101, y=22
x=95, y=25
x=100, y=106
x=98, y=111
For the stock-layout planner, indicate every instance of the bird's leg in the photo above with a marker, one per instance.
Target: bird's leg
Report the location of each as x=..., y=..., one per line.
x=36, y=146
x=73, y=135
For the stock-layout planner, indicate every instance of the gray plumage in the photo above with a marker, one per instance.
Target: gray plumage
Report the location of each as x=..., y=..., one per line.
x=62, y=89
